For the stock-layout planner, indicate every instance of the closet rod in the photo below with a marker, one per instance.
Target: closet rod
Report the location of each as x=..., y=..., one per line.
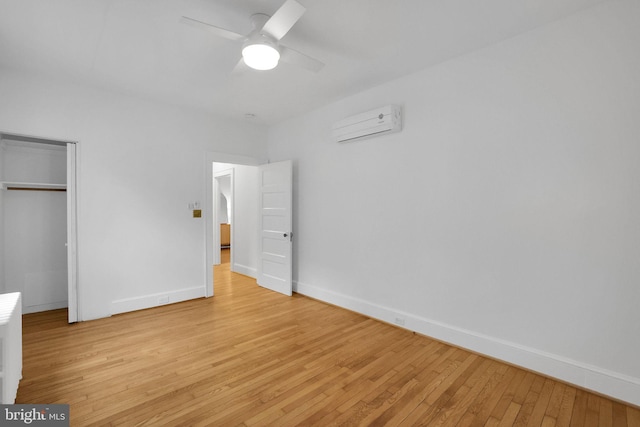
x=36, y=189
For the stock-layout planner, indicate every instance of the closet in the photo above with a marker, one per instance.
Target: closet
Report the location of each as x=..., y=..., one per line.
x=33, y=221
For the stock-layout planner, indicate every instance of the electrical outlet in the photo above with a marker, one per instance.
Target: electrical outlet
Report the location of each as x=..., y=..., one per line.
x=399, y=321
x=163, y=300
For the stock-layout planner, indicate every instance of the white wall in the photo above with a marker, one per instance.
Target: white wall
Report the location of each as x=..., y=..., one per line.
x=245, y=216
x=224, y=211
x=140, y=165
x=517, y=185
x=35, y=226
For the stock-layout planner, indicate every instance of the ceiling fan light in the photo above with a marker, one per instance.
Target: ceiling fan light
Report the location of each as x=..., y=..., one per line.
x=261, y=56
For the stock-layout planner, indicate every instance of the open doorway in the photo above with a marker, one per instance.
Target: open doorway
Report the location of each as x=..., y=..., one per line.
x=261, y=212
x=235, y=223
x=223, y=212
x=242, y=211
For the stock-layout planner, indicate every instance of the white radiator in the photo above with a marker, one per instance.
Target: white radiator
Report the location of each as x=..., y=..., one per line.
x=10, y=346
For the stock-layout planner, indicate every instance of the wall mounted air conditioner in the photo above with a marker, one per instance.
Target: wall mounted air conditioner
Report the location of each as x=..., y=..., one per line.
x=384, y=120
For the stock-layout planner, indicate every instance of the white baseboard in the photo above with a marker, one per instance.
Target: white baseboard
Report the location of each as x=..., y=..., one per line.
x=44, y=307
x=613, y=384
x=154, y=300
x=243, y=269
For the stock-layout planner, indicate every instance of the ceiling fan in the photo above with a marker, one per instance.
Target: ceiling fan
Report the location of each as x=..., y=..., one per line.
x=261, y=49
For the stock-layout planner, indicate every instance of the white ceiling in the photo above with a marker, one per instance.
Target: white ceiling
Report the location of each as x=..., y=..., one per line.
x=140, y=47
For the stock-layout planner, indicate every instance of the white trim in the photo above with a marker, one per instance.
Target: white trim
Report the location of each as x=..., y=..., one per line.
x=72, y=233
x=214, y=215
x=21, y=137
x=243, y=269
x=153, y=300
x=35, y=147
x=10, y=346
x=44, y=307
x=603, y=381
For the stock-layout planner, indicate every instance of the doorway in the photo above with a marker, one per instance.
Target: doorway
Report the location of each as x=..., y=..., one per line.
x=234, y=208
x=239, y=234
x=223, y=209
x=261, y=206
x=38, y=222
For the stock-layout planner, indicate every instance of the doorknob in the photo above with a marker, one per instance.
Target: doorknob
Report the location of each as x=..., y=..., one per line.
x=285, y=234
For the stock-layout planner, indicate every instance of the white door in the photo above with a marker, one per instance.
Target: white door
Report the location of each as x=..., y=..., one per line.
x=275, y=237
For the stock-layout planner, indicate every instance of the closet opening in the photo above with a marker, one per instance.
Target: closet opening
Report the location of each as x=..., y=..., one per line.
x=38, y=222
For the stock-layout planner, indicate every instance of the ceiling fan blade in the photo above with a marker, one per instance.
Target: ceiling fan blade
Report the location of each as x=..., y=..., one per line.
x=240, y=68
x=300, y=59
x=221, y=32
x=284, y=18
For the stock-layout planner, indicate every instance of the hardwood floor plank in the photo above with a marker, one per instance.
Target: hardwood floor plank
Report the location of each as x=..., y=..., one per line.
x=542, y=403
x=548, y=421
x=252, y=357
x=593, y=411
x=579, y=409
x=605, y=418
x=479, y=412
x=414, y=400
x=455, y=408
x=510, y=415
x=523, y=389
x=619, y=415
x=507, y=397
x=555, y=400
x=437, y=400
x=565, y=412
x=528, y=405
x=633, y=416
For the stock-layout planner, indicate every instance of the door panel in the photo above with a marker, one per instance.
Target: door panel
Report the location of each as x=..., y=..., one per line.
x=275, y=242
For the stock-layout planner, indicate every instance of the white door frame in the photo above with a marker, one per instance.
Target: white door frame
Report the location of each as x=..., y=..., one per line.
x=210, y=158
x=72, y=233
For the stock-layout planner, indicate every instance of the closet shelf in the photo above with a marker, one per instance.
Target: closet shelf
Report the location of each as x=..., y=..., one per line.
x=34, y=186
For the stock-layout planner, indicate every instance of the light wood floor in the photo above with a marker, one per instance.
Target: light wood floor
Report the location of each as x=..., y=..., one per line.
x=252, y=357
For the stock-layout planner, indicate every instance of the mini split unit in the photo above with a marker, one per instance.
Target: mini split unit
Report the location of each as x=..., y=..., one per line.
x=384, y=120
